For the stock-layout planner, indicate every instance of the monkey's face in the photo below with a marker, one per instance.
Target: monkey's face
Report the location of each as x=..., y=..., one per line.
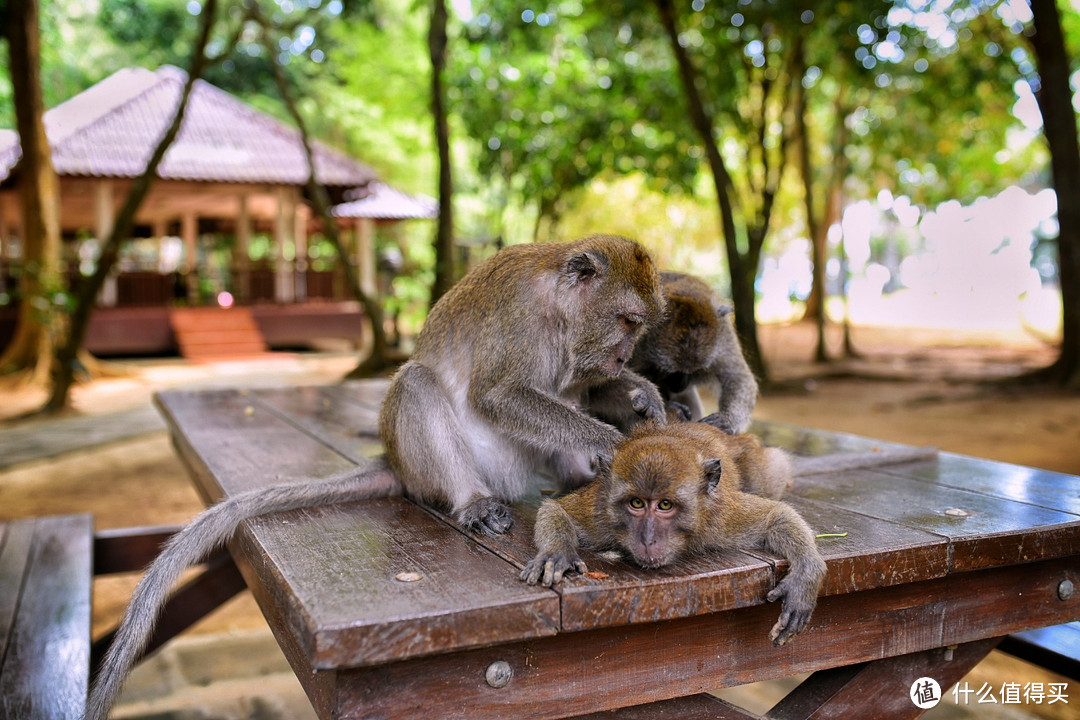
x=613, y=296
x=687, y=339
x=653, y=498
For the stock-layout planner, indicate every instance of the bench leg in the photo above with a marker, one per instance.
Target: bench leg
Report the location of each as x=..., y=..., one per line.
x=881, y=687
x=219, y=582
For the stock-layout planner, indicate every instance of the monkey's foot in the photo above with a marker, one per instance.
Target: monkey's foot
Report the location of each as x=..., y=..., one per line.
x=487, y=516
x=548, y=568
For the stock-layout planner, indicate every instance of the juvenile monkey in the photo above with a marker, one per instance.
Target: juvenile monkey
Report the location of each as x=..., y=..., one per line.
x=696, y=345
x=689, y=488
x=491, y=395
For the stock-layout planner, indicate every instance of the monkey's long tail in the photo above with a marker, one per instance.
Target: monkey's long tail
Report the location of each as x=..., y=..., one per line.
x=191, y=545
x=840, y=462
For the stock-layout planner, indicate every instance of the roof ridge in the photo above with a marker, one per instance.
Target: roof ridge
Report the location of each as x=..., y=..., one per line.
x=96, y=102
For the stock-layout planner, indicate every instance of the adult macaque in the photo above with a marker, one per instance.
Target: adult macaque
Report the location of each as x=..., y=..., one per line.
x=690, y=488
x=491, y=395
x=696, y=346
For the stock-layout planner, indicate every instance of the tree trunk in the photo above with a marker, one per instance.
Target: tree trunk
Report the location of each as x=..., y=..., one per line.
x=1059, y=126
x=380, y=358
x=743, y=270
x=444, y=236
x=87, y=292
x=816, y=231
x=39, y=195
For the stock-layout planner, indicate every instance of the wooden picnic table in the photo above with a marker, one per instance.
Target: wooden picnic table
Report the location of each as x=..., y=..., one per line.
x=387, y=609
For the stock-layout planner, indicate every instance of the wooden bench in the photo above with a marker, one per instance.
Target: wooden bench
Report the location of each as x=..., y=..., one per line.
x=388, y=609
x=47, y=566
x=45, y=586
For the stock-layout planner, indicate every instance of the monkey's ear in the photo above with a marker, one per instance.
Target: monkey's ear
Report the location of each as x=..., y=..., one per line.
x=602, y=466
x=584, y=266
x=714, y=469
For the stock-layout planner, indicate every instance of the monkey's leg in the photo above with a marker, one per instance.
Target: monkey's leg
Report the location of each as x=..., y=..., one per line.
x=427, y=445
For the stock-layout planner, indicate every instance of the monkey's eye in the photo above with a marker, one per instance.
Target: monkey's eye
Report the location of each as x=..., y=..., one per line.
x=665, y=505
x=636, y=503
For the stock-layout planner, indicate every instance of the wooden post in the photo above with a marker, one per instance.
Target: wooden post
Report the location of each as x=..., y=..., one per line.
x=283, y=285
x=104, y=216
x=300, y=237
x=189, y=233
x=365, y=254
x=4, y=243
x=241, y=263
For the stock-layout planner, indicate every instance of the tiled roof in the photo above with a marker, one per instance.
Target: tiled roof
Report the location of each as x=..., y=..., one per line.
x=386, y=203
x=111, y=129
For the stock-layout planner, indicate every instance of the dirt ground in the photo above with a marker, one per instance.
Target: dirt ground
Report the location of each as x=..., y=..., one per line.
x=913, y=386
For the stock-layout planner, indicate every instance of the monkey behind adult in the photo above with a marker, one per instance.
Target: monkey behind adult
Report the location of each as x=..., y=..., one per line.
x=696, y=346
x=491, y=396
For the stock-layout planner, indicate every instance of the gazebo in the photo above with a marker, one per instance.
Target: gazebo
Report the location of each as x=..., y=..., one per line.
x=231, y=188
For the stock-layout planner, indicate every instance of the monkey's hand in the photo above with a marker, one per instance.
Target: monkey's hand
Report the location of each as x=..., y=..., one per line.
x=548, y=567
x=723, y=422
x=678, y=412
x=647, y=402
x=799, y=599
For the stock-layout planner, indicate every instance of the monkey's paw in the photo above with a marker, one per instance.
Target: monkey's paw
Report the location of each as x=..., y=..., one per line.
x=677, y=412
x=647, y=402
x=548, y=568
x=798, y=606
x=723, y=422
x=487, y=516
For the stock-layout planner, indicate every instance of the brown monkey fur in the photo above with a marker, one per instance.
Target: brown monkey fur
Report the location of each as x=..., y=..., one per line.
x=694, y=346
x=688, y=488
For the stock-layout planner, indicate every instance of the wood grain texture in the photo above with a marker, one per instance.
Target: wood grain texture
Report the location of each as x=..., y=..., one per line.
x=335, y=573
x=694, y=707
x=1052, y=490
x=45, y=564
x=602, y=669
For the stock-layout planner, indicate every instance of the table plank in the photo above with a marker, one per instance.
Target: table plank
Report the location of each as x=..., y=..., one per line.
x=329, y=572
x=341, y=564
x=45, y=656
x=990, y=531
x=1033, y=486
x=597, y=670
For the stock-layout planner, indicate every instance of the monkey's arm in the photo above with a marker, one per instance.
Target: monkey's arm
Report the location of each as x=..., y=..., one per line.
x=839, y=462
x=626, y=401
x=541, y=421
x=737, y=388
x=776, y=526
x=207, y=531
x=556, y=535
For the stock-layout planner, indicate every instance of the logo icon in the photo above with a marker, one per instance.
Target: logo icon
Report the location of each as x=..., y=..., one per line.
x=925, y=693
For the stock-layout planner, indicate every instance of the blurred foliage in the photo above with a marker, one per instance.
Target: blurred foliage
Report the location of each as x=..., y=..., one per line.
x=569, y=117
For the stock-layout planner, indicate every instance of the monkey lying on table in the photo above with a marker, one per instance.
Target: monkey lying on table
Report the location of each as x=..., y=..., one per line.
x=492, y=394
x=689, y=488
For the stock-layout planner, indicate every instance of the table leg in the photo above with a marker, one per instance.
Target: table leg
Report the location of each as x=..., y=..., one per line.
x=881, y=688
